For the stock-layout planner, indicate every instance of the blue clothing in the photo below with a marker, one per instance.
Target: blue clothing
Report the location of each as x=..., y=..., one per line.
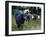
x=19, y=18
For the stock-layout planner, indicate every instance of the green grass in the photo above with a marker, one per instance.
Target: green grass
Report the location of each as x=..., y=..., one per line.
x=31, y=25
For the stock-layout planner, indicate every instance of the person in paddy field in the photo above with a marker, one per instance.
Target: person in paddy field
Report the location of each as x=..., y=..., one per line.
x=28, y=15
x=19, y=18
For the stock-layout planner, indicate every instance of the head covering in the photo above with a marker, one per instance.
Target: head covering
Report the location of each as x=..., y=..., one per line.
x=26, y=10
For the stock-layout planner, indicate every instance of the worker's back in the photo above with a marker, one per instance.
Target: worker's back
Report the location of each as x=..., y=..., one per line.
x=20, y=17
